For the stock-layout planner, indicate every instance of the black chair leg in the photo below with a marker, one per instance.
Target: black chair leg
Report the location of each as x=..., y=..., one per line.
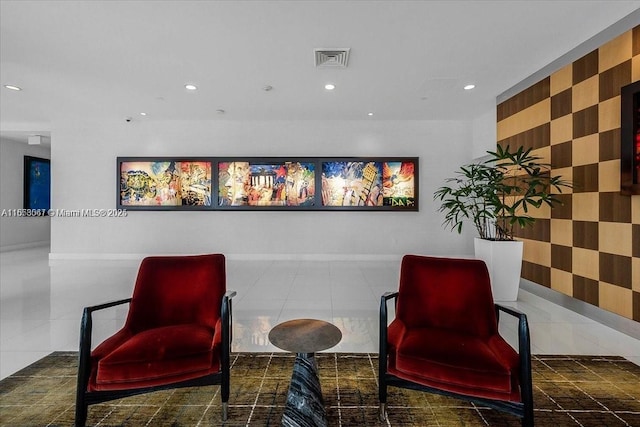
x=382, y=412
x=81, y=412
x=82, y=407
x=382, y=397
x=527, y=420
x=224, y=395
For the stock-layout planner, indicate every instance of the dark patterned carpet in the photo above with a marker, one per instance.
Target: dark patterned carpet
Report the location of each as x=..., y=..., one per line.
x=568, y=391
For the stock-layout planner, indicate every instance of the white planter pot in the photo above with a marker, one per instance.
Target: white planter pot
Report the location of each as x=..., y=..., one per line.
x=504, y=262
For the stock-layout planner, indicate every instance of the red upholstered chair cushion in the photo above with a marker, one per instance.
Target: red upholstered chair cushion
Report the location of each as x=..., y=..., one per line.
x=156, y=355
x=456, y=362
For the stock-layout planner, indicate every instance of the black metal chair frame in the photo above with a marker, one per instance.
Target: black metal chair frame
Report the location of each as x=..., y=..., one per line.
x=85, y=398
x=523, y=409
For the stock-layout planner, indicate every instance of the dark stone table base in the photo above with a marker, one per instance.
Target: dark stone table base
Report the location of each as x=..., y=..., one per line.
x=305, y=406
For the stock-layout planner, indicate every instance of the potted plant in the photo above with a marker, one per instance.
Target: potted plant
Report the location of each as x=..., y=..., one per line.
x=497, y=195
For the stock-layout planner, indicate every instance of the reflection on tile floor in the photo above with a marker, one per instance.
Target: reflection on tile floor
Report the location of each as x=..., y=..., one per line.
x=41, y=305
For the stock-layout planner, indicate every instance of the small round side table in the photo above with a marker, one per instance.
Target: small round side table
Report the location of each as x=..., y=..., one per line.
x=305, y=406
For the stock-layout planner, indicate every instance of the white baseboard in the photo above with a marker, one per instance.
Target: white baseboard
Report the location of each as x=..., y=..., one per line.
x=21, y=246
x=55, y=257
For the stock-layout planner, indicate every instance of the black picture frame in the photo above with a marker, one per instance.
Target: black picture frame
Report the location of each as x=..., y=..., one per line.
x=630, y=139
x=244, y=183
x=37, y=185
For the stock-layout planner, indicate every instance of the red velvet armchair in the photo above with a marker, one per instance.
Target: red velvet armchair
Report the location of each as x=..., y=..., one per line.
x=444, y=338
x=177, y=334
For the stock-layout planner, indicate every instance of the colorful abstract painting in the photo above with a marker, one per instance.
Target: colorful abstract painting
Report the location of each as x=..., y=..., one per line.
x=352, y=183
x=165, y=183
x=360, y=183
x=266, y=184
x=398, y=182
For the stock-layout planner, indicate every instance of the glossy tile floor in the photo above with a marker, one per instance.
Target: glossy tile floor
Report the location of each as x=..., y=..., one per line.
x=41, y=305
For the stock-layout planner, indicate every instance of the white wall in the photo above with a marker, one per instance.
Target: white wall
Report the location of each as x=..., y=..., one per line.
x=485, y=133
x=15, y=232
x=84, y=170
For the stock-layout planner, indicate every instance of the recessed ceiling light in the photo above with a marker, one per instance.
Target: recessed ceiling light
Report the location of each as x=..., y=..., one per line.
x=190, y=87
x=12, y=87
x=469, y=87
x=370, y=113
x=329, y=86
x=143, y=114
x=220, y=111
x=267, y=88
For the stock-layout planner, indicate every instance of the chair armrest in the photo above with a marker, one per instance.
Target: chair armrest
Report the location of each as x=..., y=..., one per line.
x=524, y=348
x=84, y=355
x=382, y=343
x=524, y=343
x=226, y=314
x=86, y=324
x=384, y=316
x=390, y=294
x=510, y=310
x=383, y=306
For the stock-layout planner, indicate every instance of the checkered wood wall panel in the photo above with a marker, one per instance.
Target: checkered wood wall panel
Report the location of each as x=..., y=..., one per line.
x=588, y=248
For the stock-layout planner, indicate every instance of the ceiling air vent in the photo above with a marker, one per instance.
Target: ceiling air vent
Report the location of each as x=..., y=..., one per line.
x=332, y=57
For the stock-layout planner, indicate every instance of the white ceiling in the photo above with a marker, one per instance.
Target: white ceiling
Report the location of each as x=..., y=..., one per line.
x=408, y=61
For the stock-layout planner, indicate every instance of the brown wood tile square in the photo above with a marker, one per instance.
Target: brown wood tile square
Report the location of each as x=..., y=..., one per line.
x=615, y=207
x=536, y=273
x=564, y=209
x=615, y=51
x=609, y=114
x=562, y=281
x=561, y=155
x=610, y=145
x=561, y=257
x=585, y=122
x=615, y=269
x=561, y=79
x=585, y=178
x=585, y=150
x=616, y=299
x=538, y=137
x=585, y=234
x=635, y=35
x=615, y=238
x=585, y=289
x=585, y=67
x=635, y=240
x=585, y=93
x=541, y=231
x=636, y=306
x=613, y=79
x=561, y=104
x=524, y=99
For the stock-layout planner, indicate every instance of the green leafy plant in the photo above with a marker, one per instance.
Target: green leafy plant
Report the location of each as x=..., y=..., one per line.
x=498, y=194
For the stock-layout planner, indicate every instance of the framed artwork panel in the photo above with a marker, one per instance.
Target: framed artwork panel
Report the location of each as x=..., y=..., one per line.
x=370, y=184
x=37, y=184
x=164, y=183
x=266, y=183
